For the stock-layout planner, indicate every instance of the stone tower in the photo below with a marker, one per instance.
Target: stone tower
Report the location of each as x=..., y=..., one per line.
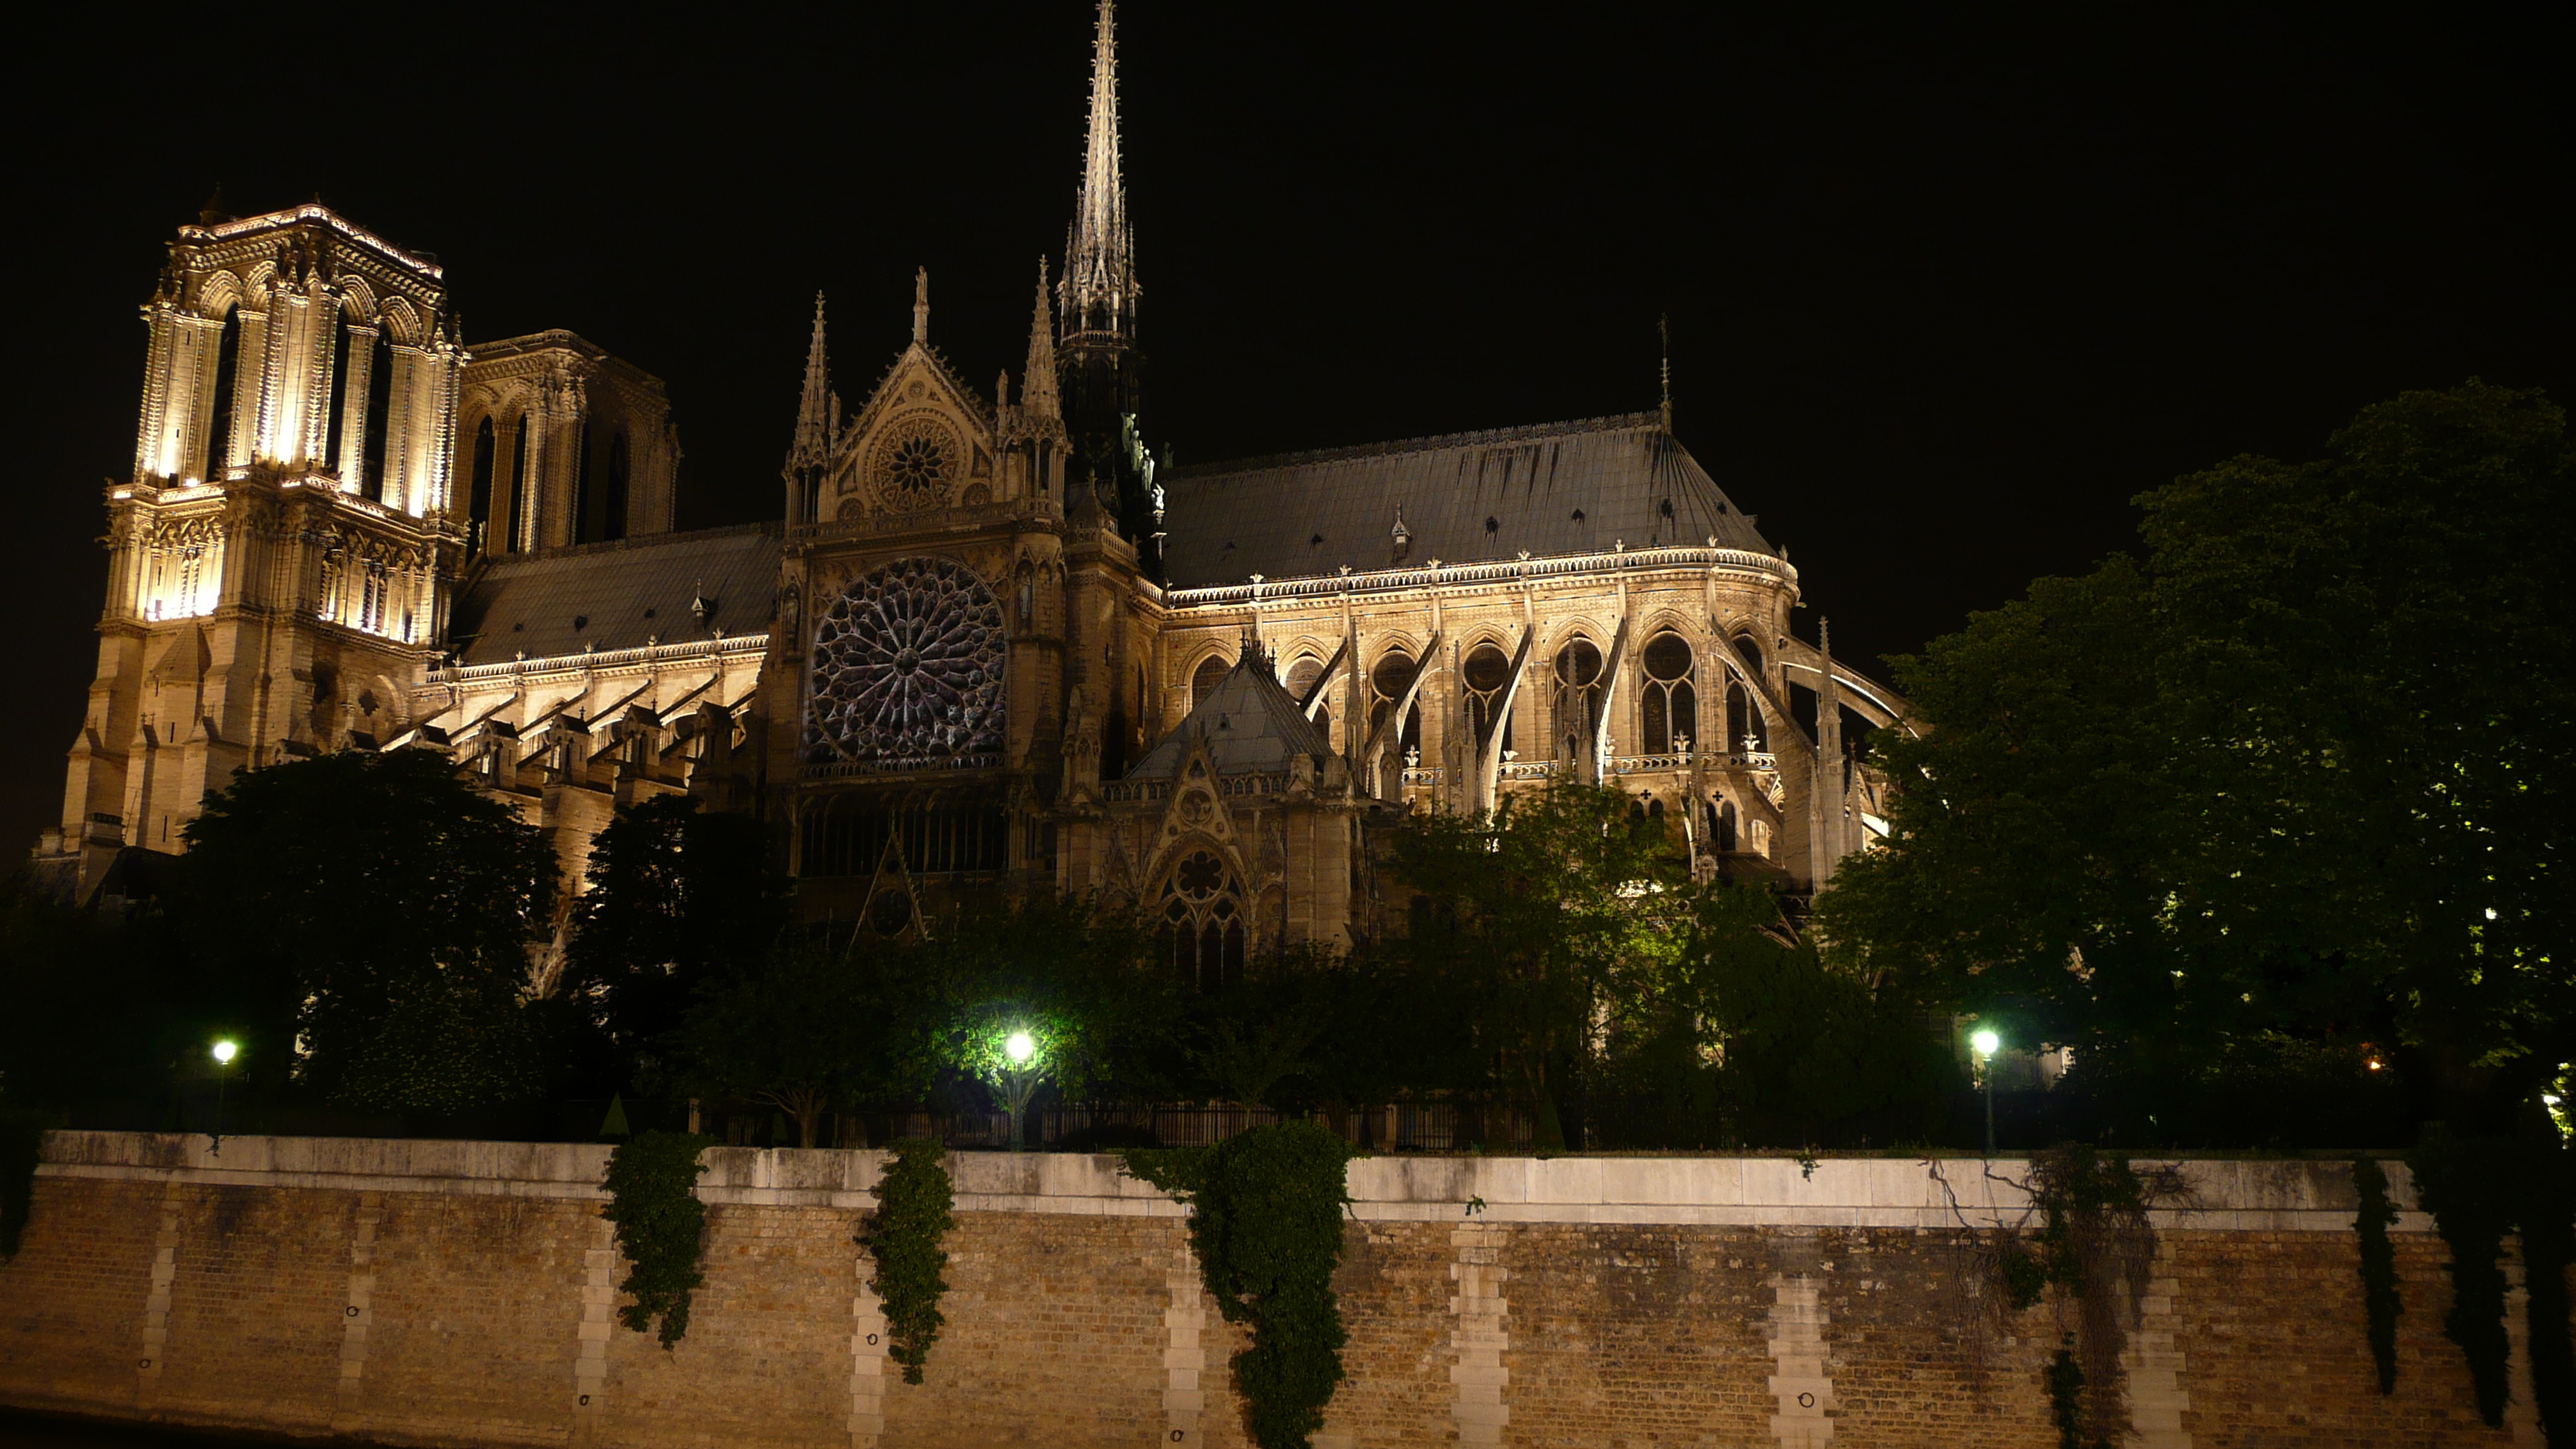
x=280, y=556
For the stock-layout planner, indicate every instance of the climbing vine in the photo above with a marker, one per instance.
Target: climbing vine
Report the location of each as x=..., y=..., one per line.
x=1266, y=1211
x=2379, y=1297
x=2093, y=1241
x=2456, y=1180
x=913, y=1196
x=661, y=1226
x=22, y=1140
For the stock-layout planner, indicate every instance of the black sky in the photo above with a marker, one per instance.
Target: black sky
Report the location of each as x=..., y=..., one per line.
x=1946, y=291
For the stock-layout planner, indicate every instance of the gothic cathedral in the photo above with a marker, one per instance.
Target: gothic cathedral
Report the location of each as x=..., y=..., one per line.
x=991, y=647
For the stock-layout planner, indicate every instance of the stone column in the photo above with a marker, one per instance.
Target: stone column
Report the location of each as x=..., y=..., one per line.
x=1480, y=1338
x=1800, y=1380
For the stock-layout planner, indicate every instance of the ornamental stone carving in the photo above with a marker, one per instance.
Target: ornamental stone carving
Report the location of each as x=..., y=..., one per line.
x=907, y=668
x=915, y=462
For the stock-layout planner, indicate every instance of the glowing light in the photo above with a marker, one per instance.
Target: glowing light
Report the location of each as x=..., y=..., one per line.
x=1987, y=1041
x=1020, y=1047
x=2374, y=1064
x=225, y=1051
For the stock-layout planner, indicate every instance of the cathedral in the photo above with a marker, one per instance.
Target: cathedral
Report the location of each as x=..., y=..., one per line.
x=992, y=645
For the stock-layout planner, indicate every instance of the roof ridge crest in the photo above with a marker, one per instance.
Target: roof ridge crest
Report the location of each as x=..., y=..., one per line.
x=1525, y=432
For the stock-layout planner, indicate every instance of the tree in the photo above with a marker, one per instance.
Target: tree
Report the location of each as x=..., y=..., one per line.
x=802, y=1033
x=372, y=914
x=2285, y=797
x=1539, y=911
x=678, y=900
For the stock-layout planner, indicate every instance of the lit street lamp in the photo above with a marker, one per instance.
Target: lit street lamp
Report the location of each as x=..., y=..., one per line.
x=1021, y=1068
x=225, y=1051
x=1987, y=1041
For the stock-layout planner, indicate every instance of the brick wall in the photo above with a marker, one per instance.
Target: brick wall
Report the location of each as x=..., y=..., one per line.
x=463, y=1293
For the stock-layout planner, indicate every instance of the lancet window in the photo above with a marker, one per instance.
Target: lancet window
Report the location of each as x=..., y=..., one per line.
x=1745, y=731
x=1204, y=932
x=1670, y=703
x=1578, y=698
x=1204, y=679
x=478, y=501
x=1488, y=671
x=1389, y=682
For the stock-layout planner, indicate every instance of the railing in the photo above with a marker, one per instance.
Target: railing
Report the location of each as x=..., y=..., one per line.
x=1508, y=571
x=1395, y=1127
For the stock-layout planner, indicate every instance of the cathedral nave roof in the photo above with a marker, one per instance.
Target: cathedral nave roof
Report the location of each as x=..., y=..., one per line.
x=621, y=595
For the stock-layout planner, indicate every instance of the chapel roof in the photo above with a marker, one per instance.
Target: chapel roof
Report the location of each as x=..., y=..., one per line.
x=1553, y=489
x=620, y=595
x=1249, y=722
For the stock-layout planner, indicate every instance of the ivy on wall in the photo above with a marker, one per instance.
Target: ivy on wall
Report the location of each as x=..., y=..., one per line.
x=2379, y=1298
x=2457, y=1180
x=2093, y=1241
x=22, y=1141
x=914, y=1197
x=661, y=1226
x=1266, y=1210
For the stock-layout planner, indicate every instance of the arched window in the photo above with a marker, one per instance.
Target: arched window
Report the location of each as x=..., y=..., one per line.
x=1389, y=682
x=523, y=508
x=1670, y=704
x=380, y=411
x=1204, y=933
x=613, y=510
x=1744, y=728
x=1302, y=675
x=584, y=501
x=1488, y=670
x=478, y=502
x=1751, y=652
x=1723, y=814
x=1578, y=698
x=1204, y=679
x=336, y=427
x=219, y=422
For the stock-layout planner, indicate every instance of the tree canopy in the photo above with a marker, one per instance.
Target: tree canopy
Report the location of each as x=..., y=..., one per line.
x=2280, y=802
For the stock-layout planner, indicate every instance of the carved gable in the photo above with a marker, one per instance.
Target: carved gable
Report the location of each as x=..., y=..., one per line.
x=924, y=442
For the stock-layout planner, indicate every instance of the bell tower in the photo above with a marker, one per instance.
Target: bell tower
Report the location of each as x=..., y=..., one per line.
x=281, y=554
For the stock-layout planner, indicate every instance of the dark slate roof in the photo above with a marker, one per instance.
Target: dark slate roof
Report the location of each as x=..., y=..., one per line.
x=619, y=595
x=1249, y=722
x=1303, y=514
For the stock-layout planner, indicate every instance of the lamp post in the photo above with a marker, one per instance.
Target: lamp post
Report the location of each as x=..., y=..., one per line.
x=1987, y=1042
x=1020, y=1079
x=225, y=1051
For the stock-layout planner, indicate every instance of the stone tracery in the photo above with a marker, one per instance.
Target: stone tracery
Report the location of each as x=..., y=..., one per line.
x=908, y=668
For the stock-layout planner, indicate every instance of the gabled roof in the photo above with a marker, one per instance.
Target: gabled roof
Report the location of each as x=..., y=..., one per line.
x=619, y=595
x=1249, y=722
x=1559, y=488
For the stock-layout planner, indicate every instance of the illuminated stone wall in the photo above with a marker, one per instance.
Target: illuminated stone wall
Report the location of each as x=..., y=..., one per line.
x=464, y=1293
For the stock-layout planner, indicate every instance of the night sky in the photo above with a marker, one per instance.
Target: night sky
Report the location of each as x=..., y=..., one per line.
x=1945, y=293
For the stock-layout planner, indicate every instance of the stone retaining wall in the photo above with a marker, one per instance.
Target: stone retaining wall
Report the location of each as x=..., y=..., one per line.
x=464, y=1293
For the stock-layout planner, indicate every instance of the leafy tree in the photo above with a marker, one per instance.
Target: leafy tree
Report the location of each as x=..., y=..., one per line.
x=802, y=1033
x=1063, y=969
x=372, y=914
x=2278, y=801
x=1542, y=910
x=678, y=900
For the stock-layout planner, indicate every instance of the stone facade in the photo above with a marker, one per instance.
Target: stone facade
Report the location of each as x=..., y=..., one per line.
x=463, y=1293
x=980, y=654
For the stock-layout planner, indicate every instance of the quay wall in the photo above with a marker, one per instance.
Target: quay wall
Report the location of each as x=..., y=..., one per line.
x=464, y=1293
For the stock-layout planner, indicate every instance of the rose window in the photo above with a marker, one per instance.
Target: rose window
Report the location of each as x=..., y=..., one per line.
x=915, y=462
x=908, y=668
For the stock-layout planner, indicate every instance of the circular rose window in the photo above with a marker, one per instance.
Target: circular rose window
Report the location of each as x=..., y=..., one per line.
x=915, y=461
x=908, y=668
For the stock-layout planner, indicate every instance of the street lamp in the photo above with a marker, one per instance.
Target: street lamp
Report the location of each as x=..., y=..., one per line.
x=1020, y=1072
x=1987, y=1042
x=225, y=1050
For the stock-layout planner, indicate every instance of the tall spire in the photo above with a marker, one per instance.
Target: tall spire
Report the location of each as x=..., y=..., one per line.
x=1038, y=392
x=817, y=412
x=1099, y=262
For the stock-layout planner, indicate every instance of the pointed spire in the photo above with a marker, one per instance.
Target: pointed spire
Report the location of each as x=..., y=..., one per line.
x=817, y=410
x=1099, y=251
x=1664, y=336
x=1038, y=391
x=921, y=306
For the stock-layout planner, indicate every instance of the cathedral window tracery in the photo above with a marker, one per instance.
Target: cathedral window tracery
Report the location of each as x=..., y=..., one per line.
x=1488, y=670
x=1671, y=704
x=908, y=668
x=1578, y=698
x=1204, y=934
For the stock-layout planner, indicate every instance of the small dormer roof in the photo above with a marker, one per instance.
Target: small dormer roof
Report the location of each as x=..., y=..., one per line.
x=1249, y=722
